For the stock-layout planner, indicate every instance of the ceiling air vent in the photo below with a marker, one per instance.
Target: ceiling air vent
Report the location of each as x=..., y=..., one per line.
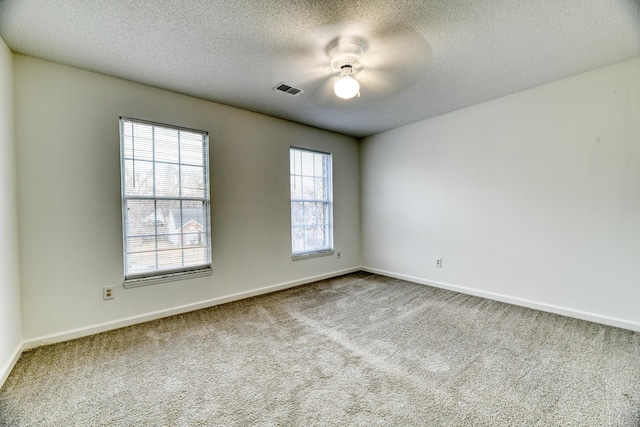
x=283, y=87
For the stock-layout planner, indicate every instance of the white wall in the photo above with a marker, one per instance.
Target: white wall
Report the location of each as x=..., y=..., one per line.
x=10, y=326
x=533, y=198
x=70, y=209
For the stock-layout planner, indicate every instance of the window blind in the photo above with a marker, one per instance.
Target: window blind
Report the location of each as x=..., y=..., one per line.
x=311, y=202
x=165, y=200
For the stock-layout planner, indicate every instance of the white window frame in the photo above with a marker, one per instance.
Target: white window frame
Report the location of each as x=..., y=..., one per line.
x=203, y=241
x=327, y=201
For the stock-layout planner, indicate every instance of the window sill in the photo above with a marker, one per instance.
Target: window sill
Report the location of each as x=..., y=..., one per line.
x=300, y=257
x=169, y=277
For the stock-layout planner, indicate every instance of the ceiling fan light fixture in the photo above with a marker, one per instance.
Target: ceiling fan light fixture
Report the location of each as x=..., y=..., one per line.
x=346, y=87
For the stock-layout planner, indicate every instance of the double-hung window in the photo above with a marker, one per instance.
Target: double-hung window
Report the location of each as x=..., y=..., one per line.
x=311, y=203
x=165, y=201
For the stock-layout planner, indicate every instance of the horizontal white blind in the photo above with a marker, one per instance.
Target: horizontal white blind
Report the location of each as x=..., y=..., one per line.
x=165, y=199
x=311, y=202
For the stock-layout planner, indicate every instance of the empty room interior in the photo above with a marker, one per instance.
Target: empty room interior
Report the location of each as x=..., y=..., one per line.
x=320, y=213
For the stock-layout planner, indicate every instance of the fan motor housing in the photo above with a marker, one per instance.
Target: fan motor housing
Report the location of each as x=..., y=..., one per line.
x=347, y=51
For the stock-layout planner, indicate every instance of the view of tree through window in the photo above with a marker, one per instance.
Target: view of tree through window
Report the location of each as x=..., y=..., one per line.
x=165, y=195
x=311, y=202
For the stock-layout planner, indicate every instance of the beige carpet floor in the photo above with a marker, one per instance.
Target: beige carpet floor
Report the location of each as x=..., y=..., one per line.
x=361, y=350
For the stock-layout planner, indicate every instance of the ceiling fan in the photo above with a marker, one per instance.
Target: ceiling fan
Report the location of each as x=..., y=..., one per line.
x=346, y=57
x=346, y=61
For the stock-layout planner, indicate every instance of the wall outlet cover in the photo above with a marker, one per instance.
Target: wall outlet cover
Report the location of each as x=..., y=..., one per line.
x=108, y=292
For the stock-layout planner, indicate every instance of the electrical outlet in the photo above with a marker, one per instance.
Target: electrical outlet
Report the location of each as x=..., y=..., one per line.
x=338, y=254
x=108, y=292
x=438, y=262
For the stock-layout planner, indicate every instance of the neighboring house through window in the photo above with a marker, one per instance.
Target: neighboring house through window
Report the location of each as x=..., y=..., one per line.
x=165, y=201
x=311, y=203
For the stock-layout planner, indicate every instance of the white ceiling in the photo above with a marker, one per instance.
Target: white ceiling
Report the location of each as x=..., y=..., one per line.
x=427, y=57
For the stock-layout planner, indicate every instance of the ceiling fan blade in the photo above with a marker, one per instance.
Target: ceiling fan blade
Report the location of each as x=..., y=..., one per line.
x=399, y=57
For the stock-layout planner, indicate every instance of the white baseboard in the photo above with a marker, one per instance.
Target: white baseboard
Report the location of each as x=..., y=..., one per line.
x=564, y=311
x=129, y=321
x=120, y=323
x=10, y=363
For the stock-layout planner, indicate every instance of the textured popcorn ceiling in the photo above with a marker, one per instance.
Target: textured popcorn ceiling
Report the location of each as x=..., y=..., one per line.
x=427, y=57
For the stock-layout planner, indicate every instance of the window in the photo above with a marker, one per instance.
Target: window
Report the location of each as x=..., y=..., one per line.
x=311, y=203
x=165, y=201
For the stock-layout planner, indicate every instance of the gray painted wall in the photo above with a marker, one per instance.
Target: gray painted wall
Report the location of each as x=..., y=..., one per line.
x=70, y=209
x=10, y=318
x=532, y=198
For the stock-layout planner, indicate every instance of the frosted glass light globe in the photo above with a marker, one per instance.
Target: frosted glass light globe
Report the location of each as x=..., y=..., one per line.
x=346, y=87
